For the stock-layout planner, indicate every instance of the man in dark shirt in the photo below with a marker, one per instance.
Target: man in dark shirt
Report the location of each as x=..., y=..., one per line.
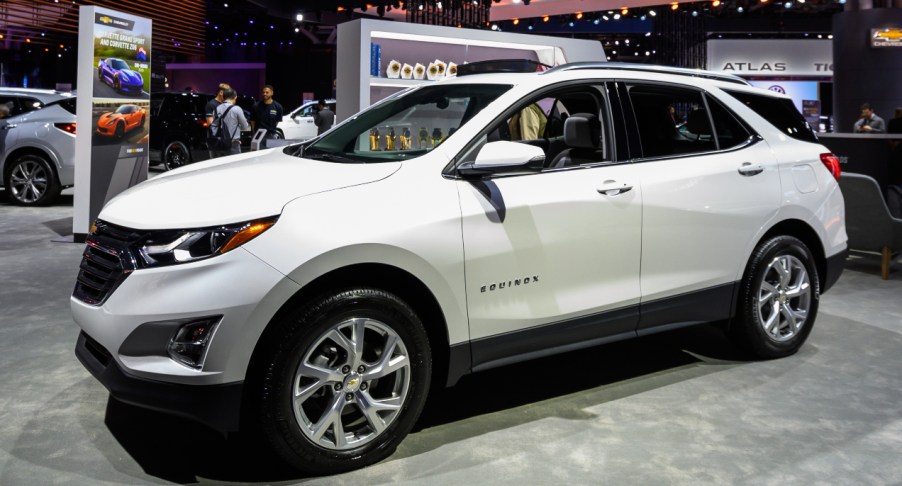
x=267, y=114
x=210, y=109
x=323, y=118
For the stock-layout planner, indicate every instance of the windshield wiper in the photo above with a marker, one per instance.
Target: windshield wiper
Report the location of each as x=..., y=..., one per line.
x=332, y=157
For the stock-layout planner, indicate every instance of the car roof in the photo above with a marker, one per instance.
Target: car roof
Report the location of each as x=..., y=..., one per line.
x=45, y=95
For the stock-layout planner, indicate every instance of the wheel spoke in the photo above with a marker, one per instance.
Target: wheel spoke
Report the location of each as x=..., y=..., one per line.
x=323, y=376
x=799, y=291
x=340, y=339
x=371, y=409
x=787, y=313
x=358, y=331
x=782, y=269
x=773, y=318
x=768, y=292
x=330, y=416
x=388, y=363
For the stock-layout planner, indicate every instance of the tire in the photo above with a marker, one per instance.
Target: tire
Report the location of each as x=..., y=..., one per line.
x=143, y=119
x=779, y=298
x=279, y=135
x=313, y=352
x=100, y=74
x=120, y=130
x=31, y=181
x=176, y=155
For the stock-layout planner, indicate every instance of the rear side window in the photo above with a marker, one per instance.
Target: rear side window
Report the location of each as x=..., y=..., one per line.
x=780, y=112
x=29, y=104
x=730, y=133
x=671, y=121
x=67, y=104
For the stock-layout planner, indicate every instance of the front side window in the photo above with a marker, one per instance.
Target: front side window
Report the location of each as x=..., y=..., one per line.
x=405, y=126
x=571, y=125
x=671, y=121
x=118, y=64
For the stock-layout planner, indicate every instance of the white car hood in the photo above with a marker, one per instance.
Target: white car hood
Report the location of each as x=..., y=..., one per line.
x=233, y=189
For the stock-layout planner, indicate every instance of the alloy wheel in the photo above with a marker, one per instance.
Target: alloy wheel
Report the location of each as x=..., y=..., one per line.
x=351, y=384
x=176, y=157
x=784, y=299
x=28, y=181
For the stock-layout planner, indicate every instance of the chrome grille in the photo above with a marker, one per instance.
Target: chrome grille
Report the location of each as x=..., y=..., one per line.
x=106, y=262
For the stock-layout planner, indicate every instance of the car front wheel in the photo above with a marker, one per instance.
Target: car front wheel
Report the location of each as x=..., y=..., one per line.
x=778, y=298
x=30, y=181
x=176, y=155
x=345, y=380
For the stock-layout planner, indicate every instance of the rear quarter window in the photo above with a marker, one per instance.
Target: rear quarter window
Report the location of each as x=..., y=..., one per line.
x=780, y=112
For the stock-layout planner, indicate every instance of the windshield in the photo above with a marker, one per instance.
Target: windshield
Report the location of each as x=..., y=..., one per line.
x=124, y=109
x=406, y=126
x=117, y=64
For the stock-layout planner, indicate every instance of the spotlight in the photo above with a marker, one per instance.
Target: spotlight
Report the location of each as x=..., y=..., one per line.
x=297, y=29
x=579, y=15
x=642, y=18
x=695, y=13
x=740, y=9
x=516, y=21
x=787, y=5
x=616, y=16
x=299, y=17
x=624, y=11
x=715, y=3
x=606, y=18
x=652, y=13
x=438, y=5
x=494, y=26
x=674, y=6
x=596, y=21
x=545, y=18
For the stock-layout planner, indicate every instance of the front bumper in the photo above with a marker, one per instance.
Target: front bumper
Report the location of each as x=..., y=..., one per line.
x=218, y=406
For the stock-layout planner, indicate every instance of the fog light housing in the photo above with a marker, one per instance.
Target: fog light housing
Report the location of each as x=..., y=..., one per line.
x=189, y=344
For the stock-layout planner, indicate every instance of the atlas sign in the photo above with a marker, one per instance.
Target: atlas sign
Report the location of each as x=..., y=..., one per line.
x=763, y=57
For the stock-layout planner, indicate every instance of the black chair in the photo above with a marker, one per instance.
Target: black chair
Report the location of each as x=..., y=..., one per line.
x=869, y=224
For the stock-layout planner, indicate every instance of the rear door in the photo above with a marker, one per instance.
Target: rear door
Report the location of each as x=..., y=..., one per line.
x=709, y=184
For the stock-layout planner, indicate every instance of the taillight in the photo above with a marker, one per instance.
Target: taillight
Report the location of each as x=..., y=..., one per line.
x=831, y=161
x=66, y=127
x=202, y=122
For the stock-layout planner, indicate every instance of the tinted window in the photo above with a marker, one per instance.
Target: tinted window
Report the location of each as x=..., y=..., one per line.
x=729, y=131
x=12, y=107
x=780, y=112
x=29, y=104
x=671, y=121
x=118, y=64
x=68, y=105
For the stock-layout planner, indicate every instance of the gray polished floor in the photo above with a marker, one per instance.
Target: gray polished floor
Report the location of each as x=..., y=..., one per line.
x=678, y=408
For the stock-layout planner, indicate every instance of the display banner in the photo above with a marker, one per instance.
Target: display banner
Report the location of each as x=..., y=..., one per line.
x=771, y=57
x=112, y=109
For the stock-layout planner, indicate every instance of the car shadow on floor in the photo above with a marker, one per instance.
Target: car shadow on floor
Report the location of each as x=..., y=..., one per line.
x=182, y=451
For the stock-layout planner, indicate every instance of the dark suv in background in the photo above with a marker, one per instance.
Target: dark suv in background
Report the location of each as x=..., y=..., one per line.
x=178, y=127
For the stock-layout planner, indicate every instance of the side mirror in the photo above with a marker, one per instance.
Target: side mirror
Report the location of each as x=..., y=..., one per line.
x=503, y=156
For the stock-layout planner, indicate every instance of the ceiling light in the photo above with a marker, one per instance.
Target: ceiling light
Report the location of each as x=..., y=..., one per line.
x=616, y=16
x=579, y=15
x=545, y=19
x=624, y=11
x=715, y=3
x=740, y=9
x=299, y=17
x=652, y=13
x=674, y=6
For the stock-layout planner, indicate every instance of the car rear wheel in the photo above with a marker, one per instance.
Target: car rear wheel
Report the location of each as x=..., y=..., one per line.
x=345, y=379
x=120, y=130
x=31, y=181
x=176, y=155
x=778, y=298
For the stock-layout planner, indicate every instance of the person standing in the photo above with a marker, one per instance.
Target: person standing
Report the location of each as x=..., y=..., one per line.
x=869, y=122
x=210, y=109
x=323, y=118
x=231, y=119
x=266, y=114
x=4, y=126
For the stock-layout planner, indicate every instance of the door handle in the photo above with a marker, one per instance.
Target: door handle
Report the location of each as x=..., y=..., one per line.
x=750, y=169
x=613, y=188
x=7, y=127
x=309, y=121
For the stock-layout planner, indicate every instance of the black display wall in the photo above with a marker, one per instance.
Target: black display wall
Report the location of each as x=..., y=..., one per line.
x=862, y=74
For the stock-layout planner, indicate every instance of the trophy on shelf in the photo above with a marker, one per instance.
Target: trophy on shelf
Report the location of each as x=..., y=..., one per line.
x=440, y=67
x=405, y=139
x=390, y=139
x=432, y=72
x=406, y=71
x=451, y=71
x=437, y=136
x=394, y=69
x=419, y=71
x=423, y=137
x=374, y=139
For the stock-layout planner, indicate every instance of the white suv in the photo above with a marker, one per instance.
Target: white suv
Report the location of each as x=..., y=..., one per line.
x=299, y=125
x=318, y=291
x=37, y=144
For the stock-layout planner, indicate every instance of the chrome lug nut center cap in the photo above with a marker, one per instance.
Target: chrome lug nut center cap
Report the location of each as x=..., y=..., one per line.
x=352, y=382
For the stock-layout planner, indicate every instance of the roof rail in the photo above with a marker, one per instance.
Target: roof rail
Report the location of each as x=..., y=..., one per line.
x=651, y=68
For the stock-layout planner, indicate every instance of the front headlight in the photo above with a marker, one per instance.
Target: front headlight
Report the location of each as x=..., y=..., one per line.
x=173, y=247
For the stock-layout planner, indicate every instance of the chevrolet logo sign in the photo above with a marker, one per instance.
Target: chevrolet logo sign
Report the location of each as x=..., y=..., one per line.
x=106, y=20
x=889, y=35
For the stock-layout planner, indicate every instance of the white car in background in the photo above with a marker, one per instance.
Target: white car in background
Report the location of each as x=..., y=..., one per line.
x=38, y=159
x=319, y=290
x=298, y=125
